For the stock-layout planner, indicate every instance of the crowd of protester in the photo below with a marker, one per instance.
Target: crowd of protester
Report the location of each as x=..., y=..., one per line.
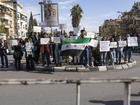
x=49, y=54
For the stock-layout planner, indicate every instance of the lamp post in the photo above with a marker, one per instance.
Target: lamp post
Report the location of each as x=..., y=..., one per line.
x=41, y=4
x=16, y=17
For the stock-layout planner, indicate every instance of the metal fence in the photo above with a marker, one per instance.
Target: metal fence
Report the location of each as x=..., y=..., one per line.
x=127, y=84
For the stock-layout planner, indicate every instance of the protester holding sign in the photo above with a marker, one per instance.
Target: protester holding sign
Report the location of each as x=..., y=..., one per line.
x=45, y=50
x=84, y=57
x=119, y=50
x=29, y=54
x=128, y=50
x=104, y=47
x=113, y=51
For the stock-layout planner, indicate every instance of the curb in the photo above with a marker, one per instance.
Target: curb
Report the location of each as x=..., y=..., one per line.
x=78, y=68
x=117, y=67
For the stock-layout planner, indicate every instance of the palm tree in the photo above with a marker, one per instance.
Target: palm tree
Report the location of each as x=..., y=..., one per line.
x=76, y=14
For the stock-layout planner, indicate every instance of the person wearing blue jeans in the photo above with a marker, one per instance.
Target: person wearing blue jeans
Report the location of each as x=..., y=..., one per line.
x=57, y=54
x=113, y=55
x=118, y=55
x=127, y=54
x=102, y=58
x=83, y=57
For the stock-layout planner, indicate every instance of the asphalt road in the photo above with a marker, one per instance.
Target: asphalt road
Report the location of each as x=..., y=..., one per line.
x=97, y=94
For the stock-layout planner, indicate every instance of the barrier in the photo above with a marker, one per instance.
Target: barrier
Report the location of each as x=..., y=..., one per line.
x=127, y=84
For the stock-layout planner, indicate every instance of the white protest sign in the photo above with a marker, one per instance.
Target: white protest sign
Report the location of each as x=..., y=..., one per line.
x=132, y=41
x=113, y=44
x=93, y=43
x=56, y=39
x=122, y=43
x=29, y=47
x=44, y=41
x=37, y=29
x=104, y=46
x=14, y=42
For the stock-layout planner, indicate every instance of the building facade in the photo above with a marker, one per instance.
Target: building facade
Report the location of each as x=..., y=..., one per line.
x=13, y=18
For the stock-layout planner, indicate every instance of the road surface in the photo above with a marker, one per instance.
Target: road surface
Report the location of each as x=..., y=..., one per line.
x=97, y=94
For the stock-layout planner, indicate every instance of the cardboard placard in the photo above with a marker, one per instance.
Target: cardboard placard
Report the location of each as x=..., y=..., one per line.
x=36, y=29
x=132, y=41
x=56, y=39
x=14, y=42
x=29, y=47
x=113, y=44
x=122, y=43
x=104, y=46
x=44, y=41
x=93, y=43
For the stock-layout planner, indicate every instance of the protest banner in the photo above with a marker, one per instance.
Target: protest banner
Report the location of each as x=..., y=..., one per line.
x=104, y=46
x=93, y=43
x=36, y=29
x=14, y=42
x=44, y=41
x=122, y=43
x=29, y=46
x=56, y=39
x=113, y=44
x=132, y=41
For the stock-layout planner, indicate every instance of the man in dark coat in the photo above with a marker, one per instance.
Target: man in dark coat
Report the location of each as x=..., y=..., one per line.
x=18, y=56
x=3, y=55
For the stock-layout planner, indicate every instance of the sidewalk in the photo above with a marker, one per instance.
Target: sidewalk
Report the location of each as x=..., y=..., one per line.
x=70, y=68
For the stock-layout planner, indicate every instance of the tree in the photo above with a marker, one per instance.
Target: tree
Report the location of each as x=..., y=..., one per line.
x=35, y=22
x=31, y=23
x=76, y=14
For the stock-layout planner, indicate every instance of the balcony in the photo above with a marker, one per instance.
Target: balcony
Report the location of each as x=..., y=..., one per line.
x=5, y=16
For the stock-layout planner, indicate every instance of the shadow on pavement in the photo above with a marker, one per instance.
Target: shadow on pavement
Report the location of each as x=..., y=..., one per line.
x=116, y=102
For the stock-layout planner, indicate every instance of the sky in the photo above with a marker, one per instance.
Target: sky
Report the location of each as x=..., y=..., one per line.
x=95, y=11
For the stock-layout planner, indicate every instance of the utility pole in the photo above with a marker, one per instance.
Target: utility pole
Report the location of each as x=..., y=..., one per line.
x=16, y=17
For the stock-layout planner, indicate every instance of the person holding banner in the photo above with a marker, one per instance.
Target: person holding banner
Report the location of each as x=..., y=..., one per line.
x=128, y=51
x=104, y=48
x=45, y=50
x=84, y=57
x=57, y=49
x=113, y=46
x=119, y=50
x=29, y=55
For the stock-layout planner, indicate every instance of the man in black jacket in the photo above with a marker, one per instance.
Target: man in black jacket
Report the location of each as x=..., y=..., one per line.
x=18, y=56
x=3, y=55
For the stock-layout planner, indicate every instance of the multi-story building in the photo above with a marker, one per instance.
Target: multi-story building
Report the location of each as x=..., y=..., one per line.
x=21, y=22
x=13, y=18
